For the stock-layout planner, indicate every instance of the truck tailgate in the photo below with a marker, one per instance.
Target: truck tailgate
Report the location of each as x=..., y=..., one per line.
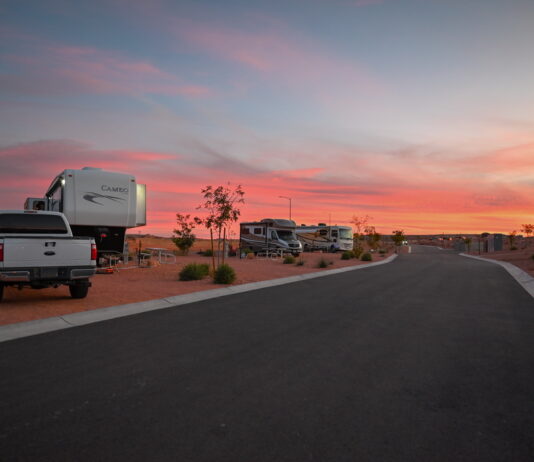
x=30, y=252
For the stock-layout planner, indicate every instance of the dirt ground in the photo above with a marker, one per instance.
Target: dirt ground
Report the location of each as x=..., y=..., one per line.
x=133, y=284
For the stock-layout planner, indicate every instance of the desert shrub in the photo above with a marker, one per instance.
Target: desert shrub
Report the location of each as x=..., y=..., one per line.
x=357, y=252
x=382, y=251
x=532, y=256
x=322, y=263
x=347, y=255
x=289, y=260
x=208, y=253
x=367, y=257
x=194, y=272
x=224, y=274
x=300, y=262
x=513, y=247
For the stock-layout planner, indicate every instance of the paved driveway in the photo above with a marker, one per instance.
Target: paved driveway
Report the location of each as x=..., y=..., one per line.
x=429, y=358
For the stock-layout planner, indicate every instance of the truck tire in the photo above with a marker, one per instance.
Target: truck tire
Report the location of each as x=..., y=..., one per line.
x=79, y=290
x=1, y=291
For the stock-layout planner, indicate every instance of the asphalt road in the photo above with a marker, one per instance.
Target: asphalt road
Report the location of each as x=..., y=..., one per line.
x=429, y=358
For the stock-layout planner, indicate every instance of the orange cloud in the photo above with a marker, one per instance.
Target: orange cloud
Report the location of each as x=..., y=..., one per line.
x=414, y=191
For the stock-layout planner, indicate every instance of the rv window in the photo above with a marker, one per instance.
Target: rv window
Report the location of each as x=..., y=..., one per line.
x=258, y=231
x=286, y=235
x=245, y=231
x=345, y=233
x=18, y=223
x=56, y=203
x=334, y=233
x=323, y=232
x=273, y=235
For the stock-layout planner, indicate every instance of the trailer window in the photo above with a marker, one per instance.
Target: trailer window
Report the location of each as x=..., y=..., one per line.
x=258, y=231
x=323, y=232
x=245, y=231
x=22, y=223
x=334, y=233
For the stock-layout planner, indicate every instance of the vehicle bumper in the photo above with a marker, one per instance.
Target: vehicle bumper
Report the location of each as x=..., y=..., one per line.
x=15, y=276
x=48, y=274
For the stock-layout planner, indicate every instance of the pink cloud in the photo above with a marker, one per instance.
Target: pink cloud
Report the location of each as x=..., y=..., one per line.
x=51, y=68
x=411, y=191
x=276, y=52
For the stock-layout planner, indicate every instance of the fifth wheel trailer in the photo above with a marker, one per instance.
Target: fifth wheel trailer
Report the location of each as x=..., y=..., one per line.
x=96, y=203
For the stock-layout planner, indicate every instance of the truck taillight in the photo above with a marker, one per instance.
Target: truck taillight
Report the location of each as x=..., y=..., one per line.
x=93, y=252
x=1, y=252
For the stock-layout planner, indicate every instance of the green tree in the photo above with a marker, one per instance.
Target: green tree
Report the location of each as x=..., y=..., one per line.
x=398, y=237
x=183, y=236
x=221, y=206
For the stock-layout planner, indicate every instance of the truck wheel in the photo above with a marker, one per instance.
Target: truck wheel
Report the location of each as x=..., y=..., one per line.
x=79, y=290
x=1, y=290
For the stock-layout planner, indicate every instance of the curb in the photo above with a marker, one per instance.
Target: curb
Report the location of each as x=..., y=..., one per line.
x=82, y=318
x=523, y=278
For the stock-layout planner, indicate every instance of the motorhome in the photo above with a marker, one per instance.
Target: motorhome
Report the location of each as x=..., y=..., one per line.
x=323, y=237
x=96, y=203
x=270, y=234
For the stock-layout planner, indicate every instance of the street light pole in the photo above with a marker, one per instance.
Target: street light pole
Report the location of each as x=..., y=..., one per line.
x=289, y=199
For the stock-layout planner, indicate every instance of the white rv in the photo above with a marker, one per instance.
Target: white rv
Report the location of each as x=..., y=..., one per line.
x=269, y=234
x=323, y=237
x=97, y=204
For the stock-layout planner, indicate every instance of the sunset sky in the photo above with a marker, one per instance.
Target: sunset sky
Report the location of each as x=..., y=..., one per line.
x=419, y=113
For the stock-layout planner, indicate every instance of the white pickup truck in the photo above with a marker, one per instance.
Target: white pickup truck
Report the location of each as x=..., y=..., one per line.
x=37, y=249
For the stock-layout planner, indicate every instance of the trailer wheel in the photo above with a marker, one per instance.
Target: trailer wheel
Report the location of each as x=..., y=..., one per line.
x=79, y=290
x=1, y=290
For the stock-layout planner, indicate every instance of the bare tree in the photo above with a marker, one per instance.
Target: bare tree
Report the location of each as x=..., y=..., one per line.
x=511, y=239
x=360, y=224
x=528, y=230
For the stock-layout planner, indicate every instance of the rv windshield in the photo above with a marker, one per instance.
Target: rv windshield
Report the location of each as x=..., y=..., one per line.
x=286, y=235
x=345, y=233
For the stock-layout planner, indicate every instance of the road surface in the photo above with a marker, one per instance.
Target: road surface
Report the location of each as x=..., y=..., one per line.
x=429, y=358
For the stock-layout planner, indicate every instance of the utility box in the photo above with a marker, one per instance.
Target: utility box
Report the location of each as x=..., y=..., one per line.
x=498, y=242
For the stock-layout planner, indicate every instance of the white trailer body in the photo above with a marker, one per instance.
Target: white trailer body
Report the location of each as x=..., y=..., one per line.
x=96, y=203
x=323, y=237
